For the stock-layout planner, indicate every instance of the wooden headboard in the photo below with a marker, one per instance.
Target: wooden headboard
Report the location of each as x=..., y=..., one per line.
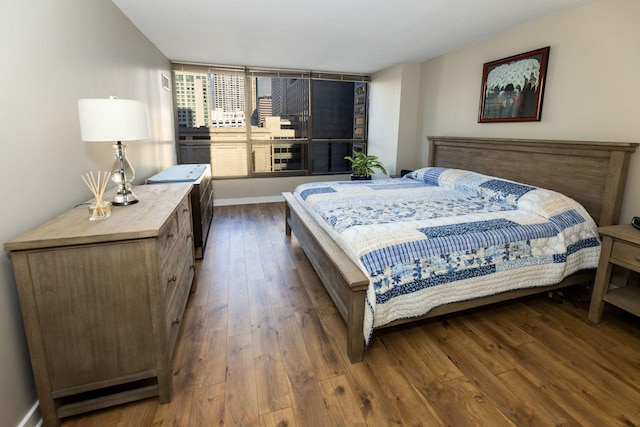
x=592, y=173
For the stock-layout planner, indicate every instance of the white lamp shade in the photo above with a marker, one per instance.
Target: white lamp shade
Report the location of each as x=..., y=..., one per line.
x=113, y=120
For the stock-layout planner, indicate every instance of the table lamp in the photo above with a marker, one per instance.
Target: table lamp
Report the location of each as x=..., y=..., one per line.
x=116, y=120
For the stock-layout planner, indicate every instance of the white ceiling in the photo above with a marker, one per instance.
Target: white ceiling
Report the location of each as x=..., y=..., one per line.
x=356, y=36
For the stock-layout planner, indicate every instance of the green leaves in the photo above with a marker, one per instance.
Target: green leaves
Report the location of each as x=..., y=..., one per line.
x=364, y=165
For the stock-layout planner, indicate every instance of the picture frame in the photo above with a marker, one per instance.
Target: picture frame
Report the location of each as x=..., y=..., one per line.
x=513, y=87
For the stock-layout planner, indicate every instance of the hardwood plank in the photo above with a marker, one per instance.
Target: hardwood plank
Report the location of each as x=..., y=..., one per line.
x=277, y=292
x=189, y=349
x=591, y=372
x=500, y=328
x=102, y=418
x=212, y=368
x=281, y=418
x=374, y=403
x=296, y=290
x=625, y=360
x=307, y=402
x=239, y=318
x=270, y=376
x=217, y=311
x=479, y=380
x=531, y=406
x=218, y=249
x=573, y=392
x=201, y=295
x=428, y=350
x=341, y=401
x=241, y=403
x=375, y=407
x=177, y=412
x=405, y=402
x=139, y=413
x=326, y=361
x=485, y=348
x=208, y=406
x=258, y=301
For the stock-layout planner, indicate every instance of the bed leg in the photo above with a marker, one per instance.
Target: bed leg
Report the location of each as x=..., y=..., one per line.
x=287, y=214
x=355, y=324
x=355, y=348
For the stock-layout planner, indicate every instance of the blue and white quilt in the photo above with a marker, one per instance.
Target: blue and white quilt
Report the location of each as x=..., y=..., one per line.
x=438, y=236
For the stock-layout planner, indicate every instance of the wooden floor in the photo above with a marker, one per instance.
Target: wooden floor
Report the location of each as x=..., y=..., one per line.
x=263, y=345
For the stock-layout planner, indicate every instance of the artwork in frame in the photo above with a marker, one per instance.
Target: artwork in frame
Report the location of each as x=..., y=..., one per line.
x=513, y=87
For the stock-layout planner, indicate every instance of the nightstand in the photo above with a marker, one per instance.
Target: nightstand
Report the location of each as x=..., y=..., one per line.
x=620, y=246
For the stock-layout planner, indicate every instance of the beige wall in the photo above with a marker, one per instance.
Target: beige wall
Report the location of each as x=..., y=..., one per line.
x=393, y=115
x=385, y=100
x=592, y=90
x=55, y=52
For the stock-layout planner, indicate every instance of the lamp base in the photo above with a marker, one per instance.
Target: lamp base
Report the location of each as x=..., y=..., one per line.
x=125, y=203
x=124, y=198
x=122, y=176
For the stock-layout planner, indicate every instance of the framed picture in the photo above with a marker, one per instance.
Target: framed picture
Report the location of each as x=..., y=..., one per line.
x=513, y=87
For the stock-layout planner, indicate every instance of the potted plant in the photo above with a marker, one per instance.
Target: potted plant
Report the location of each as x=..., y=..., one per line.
x=364, y=166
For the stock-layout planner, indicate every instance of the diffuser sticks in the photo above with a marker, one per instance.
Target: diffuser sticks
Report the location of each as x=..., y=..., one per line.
x=100, y=209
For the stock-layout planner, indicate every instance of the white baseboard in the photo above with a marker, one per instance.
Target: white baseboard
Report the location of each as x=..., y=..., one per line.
x=32, y=418
x=247, y=200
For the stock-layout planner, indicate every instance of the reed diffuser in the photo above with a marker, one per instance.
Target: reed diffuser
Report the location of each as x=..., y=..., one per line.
x=99, y=209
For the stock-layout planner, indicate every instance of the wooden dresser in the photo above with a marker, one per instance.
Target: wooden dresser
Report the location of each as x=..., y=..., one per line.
x=102, y=301
x=202, y=204
x=201, y=197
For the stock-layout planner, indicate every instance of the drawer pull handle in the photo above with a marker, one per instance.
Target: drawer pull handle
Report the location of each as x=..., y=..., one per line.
x=185, y=210
x=172, y=279
x=176, y=320
x=190, y=235
x=192, y=267
x=170, y=234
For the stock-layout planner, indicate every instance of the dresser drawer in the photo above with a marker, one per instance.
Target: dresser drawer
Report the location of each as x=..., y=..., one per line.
x=626, y=252
x=167, y=238
x=177, y=231
x=174, y=265
x=183, y=216
x=207, y=216
x=178, y=300
x=205, y=187
x=181, y=255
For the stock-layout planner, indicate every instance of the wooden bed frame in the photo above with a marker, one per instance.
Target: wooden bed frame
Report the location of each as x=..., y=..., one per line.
x=593, y=173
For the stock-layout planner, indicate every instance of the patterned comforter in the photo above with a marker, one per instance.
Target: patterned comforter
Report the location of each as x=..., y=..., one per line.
x=440, y=235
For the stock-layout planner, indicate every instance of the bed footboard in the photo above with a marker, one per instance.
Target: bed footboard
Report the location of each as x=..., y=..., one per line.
x=343, y=280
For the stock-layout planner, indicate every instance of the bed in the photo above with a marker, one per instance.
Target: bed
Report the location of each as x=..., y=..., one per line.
x=591, y=173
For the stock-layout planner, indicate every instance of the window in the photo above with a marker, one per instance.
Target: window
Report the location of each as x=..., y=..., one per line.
x=260, y=123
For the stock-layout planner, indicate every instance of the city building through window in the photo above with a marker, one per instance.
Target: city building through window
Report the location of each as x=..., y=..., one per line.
x=256, y=123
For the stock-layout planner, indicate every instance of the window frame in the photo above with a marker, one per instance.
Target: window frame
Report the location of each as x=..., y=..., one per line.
x=307, y=143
